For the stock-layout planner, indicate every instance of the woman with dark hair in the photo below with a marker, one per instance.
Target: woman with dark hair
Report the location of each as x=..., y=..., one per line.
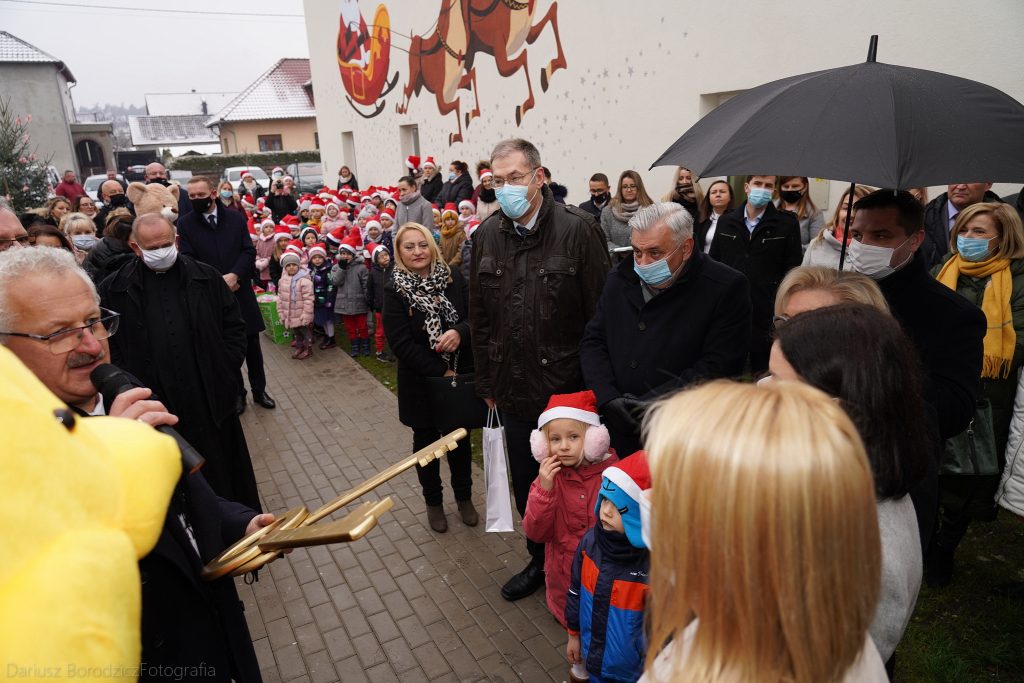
x=84, y=204
x=860, y=356
x=629, y=198
x=717, y=201
x=347, y=181
x=459, y=185
x=795, y=197
x=45, y=235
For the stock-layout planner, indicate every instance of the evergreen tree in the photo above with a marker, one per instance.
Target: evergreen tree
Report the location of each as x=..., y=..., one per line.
x=23, y=179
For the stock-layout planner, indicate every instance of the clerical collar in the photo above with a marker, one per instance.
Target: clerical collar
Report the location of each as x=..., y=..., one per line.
x=99, y=409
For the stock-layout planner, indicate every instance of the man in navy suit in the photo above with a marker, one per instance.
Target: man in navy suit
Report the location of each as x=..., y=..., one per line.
x=220, y=238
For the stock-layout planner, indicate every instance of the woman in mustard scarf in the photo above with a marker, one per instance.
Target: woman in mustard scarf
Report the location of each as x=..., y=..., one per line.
x=986, y=267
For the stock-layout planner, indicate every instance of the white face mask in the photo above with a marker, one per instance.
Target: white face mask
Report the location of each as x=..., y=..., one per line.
x=875, y=262
x=160, y=260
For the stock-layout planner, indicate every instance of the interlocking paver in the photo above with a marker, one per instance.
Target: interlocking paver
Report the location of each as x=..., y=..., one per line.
x=403, y=603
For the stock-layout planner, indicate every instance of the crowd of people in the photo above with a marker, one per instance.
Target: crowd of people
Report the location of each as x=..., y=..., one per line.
x=618, y=340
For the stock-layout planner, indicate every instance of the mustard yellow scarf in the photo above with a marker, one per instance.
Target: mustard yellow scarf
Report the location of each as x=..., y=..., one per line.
x=1001, y=338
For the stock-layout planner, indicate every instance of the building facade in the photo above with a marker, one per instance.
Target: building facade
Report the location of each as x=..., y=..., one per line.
x=603, y=86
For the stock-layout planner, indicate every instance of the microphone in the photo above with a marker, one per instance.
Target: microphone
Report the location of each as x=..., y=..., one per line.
x=111, y=381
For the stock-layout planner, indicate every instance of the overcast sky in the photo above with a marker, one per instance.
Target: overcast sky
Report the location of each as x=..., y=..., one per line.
x=120, y=55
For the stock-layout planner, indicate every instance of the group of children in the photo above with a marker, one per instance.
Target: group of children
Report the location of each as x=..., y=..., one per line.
x=325, y=265
x=585, y=506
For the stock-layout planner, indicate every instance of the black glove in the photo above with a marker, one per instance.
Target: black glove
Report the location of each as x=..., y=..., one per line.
x=624, y=414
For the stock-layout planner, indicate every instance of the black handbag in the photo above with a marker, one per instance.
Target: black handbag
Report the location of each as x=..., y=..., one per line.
x=973, y=451
x=454, y=403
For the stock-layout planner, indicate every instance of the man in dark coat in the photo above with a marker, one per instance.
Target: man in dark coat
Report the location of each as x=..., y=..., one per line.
x=186, y=622
x=182, y=335
x=536, y=275
x=941, y=213
x=599, y=195
x=659, y=328
x=459, y=186
x=763, y=243
x=221, y=239
x=947, y=330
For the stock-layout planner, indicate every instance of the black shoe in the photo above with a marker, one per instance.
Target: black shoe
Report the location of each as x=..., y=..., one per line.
x=264, y=400
x=523, y=584
x=240, y=405
x=385, y=357
x=938, y=566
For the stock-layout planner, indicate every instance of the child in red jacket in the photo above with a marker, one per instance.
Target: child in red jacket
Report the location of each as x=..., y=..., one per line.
x=571, y=445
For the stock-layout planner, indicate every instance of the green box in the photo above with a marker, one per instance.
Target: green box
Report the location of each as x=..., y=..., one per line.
x=277, y=332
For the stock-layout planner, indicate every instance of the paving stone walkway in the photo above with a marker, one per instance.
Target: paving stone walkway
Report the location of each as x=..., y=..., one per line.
x=402, y=603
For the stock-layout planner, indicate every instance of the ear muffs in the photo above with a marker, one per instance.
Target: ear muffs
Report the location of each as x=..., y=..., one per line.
x=539, y=445
x=596, y=442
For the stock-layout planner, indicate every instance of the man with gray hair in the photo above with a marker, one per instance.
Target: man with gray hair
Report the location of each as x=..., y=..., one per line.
x=12, y=232
x=536, y=274
x=668, y=317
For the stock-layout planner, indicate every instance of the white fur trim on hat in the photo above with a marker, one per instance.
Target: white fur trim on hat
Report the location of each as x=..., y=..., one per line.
x=290, y=257
x=349, y=248
x=466, y=202
x=625, y=483
x=559, y=412
x=596, y=442
x=374, y=222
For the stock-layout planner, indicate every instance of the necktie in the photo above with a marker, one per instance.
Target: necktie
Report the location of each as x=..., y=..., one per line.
x=212, y=220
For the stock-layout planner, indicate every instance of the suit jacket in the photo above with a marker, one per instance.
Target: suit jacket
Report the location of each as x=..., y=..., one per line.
x=229, y=249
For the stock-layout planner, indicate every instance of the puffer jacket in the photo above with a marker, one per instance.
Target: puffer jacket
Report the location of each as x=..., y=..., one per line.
x=351, y=284
x=529, y=300
x=106, y=257
x=264, y=252
x=295, y=300
x=612, y=642
x=1010, y=494
x=324, y=292
x=558, y=518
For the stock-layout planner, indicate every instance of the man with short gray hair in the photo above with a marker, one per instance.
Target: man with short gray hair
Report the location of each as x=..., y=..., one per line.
x=668, y=317
x=12, y=232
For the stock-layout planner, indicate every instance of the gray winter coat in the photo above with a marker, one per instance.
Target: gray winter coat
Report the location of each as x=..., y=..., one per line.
x=351, y=283
x=420, y=211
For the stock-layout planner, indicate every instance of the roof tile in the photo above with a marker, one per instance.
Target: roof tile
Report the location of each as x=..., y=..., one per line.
x=278, y=94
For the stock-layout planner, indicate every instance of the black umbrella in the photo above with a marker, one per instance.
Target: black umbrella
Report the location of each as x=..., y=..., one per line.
x=873, y=123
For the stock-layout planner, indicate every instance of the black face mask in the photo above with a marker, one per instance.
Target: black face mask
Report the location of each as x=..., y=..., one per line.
x=117, y=200
x=684, y=190
x=791, y=196
x=201, y=204
x=487, y=195
x=601, y=198
x=159, y=181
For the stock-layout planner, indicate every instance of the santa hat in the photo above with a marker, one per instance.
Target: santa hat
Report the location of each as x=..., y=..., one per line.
x=389, y=212
x=290, y=257
x=429, y=161
x=305, y=232
x=335, y=237
x=282, y=231
x=374, y=223
x=277, y=170
x=449, y=208
x=471, y=225
x=375, y=249
x=304, y=202
x=352, y=243
x=246, y=174
x=319, y=248
x=486, y=173
x=291, y=220
x=252, y=232
x=624, y=484
x=412, y=163
x=332, y=205
x=294, y=247
x=466, y=204
x=316, y=203
x=581, y=406
x=248, y=202
x=437, y=211
x=267, y=221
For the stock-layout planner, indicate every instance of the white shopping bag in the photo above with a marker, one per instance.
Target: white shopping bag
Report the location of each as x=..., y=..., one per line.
x=499, y=500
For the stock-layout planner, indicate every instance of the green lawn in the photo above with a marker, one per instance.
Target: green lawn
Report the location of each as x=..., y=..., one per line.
x=959, y=633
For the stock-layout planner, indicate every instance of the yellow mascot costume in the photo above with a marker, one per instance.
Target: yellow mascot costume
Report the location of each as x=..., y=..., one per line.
x=81, y=500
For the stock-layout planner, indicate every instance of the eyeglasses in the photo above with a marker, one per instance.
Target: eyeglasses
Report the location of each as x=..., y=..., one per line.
x=516, y=179
x=7, y=244
x=779, y=320
x=629, y=187
x=63, y=341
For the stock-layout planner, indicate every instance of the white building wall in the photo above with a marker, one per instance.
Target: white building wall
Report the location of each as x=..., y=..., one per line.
x=639, y=74
x=40, y=90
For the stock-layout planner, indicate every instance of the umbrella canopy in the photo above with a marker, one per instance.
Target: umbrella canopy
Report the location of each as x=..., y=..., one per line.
x=873, y=123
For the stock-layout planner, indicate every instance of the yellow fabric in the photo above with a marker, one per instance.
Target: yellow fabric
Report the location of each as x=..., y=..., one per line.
x=78, y=510
x=1000, y=338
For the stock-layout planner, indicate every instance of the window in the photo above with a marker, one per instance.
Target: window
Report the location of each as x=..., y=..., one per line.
x=348, y=150
x=316, y=140
x=270, y=143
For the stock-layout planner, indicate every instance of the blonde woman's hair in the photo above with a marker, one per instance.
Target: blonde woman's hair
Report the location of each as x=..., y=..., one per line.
x=698, y=192
x=435, y=252
x=71, y=221
x=859, y=192
x=1010, y=243
x=846, y=287
x=54, y=201
x=764, y=526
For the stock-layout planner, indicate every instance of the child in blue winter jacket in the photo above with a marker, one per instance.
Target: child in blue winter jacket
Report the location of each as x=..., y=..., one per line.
x=606, y=638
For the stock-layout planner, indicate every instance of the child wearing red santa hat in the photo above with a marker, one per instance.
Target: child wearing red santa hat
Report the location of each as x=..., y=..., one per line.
x=572, y=447
x=349, y=276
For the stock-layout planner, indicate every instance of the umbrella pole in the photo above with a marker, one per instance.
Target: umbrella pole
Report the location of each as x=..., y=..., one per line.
x=846, y=227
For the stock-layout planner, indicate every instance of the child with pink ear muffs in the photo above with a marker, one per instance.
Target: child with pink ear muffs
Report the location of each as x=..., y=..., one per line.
x=572, y=447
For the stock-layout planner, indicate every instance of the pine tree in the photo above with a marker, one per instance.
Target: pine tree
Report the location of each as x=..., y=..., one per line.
x=23, y=179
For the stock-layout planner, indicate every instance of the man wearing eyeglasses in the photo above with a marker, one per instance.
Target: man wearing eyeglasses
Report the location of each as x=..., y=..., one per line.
x=51, y=320
x=12, y=232
x=537, y=272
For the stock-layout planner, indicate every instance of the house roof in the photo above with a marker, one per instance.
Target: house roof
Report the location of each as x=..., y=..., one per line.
x=185, y=129
x=277, y=94
x=173, y=103
x=14, y=50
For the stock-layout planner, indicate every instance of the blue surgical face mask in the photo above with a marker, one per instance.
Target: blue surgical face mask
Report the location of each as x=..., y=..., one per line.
x=226, y=194
x=451, y=176
x=656, y=273
x=973, y=248
x=759, y=197
x=513, y=200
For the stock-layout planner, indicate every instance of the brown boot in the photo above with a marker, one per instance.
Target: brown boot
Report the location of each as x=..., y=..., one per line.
x=468, y=512
x=435, y=516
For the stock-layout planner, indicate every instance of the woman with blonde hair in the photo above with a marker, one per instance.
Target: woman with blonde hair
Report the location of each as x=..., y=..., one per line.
x=985, y=266
x=81, y=230
x=686, y=193
x=765, y=553
x=824, y=249
x=426, y=321
x=808, y=287
x=56, y=209
x=630, y=198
